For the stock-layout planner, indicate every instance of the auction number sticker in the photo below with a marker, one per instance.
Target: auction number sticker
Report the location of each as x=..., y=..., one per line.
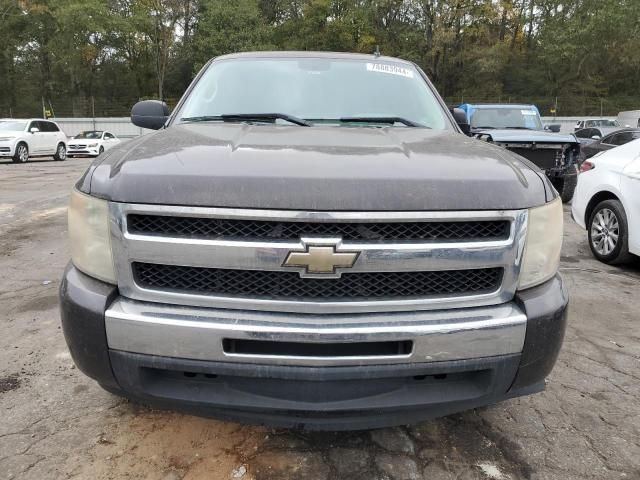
x=392, y=69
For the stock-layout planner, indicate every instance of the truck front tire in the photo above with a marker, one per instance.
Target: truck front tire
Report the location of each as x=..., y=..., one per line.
x=565, y=186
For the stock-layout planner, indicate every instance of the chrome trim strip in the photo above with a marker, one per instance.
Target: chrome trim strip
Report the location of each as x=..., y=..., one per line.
x=197, y=333
x=263, y=255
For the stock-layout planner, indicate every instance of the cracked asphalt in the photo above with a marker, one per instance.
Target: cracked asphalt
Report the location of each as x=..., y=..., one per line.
x=56, y=423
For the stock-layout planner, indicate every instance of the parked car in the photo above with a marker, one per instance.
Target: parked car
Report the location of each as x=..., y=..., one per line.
x=629, y=118
x=92, y=142
x=519, y=128
x=607, y=203
x=305, y=251
x=22, y=139
x=595, y=140
x=596, y=122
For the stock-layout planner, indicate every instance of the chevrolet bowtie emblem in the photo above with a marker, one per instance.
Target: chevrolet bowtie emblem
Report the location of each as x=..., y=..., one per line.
x=321, y=259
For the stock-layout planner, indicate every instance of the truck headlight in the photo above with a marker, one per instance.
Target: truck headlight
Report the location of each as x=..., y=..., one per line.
x=544, y=242
x=89, y=236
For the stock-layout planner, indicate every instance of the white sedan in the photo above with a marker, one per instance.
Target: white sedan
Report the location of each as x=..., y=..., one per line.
x=607, y=203
x=92, y=142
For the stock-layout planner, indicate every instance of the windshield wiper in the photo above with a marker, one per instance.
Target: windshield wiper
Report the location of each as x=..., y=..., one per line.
x=389, y=120
x=484, y=128
x=243, y=117
x=517, y=128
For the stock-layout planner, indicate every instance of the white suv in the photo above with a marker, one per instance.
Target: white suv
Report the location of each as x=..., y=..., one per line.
x=21, y=139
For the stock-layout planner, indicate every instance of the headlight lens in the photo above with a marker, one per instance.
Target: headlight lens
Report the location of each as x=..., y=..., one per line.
x=6, y=139
x=89, y=236
x=544, y=242
x=92, y=145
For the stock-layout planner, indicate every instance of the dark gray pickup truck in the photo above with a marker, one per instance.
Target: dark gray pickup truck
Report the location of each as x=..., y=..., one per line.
x=309, y=240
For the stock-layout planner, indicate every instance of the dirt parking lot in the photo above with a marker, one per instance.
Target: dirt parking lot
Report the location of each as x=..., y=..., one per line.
x=56, y=423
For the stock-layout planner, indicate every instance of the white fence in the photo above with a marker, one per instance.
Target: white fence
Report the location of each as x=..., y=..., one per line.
x=119, y=126
x=123, y=128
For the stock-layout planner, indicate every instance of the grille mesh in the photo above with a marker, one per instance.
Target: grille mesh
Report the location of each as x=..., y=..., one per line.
x=289, y=285
x=196, y=227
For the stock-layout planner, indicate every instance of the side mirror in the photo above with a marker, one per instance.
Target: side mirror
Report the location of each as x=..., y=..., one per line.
x=555, y=128
x=596, y=137
x=34, y=130
x=151, y=114
x=460, y=117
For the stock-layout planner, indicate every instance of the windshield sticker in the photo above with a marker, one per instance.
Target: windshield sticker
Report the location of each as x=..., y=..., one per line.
x=392, y=69
x=527, y=112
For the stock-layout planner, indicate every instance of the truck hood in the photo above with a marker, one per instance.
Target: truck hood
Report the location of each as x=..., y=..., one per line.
x=527, y=136
x=317, y=168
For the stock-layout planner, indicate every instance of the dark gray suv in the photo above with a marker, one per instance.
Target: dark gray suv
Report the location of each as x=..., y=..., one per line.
x=310, y=240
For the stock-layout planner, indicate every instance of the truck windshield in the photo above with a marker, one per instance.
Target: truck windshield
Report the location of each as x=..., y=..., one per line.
x=506, y=118
x=343, y=92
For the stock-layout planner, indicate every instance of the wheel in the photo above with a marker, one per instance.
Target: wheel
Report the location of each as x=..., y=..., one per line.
x=608, y=232
x=61, y=153
x=565, y=186
x=101, y=151
x=22, y=153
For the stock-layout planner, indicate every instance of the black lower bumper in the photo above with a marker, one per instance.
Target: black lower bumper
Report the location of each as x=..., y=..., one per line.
x=312, y=397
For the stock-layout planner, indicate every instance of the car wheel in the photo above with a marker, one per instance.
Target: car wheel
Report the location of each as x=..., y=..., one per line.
x=608, y=232
x=101, y=151
x=61, y=153
x=22, y=153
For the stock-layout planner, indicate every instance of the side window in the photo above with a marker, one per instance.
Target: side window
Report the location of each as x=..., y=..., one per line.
x=608, y=139
x=108, y=136
x=584, y=133
x=612, y=139
x=623, y=138
x=43, y=126
x=52, y=127
x=34, y=124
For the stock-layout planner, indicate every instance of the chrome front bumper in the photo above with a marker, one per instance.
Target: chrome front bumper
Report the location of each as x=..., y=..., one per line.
x=198, y=333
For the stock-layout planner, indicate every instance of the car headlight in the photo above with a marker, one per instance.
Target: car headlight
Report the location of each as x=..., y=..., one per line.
x=92, y=145
x=89, y=236
x=544, y=242
x=6, y=139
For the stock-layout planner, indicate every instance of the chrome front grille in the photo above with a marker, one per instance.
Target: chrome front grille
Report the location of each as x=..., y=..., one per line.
x=289, y=285
x=235, y=258
x=198, y=227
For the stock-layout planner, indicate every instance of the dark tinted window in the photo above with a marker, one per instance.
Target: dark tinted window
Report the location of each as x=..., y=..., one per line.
x=608, y=139
x=614, y=139
x=108, y=136
x=624, y=137
x=46, y=126
x=584, y=133
x=52, y=127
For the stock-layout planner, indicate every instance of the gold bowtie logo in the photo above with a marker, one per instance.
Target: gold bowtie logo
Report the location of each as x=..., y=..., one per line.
x=321, y=259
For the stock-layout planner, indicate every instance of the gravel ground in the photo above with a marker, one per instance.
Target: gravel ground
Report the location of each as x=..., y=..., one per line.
x=56, y=423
